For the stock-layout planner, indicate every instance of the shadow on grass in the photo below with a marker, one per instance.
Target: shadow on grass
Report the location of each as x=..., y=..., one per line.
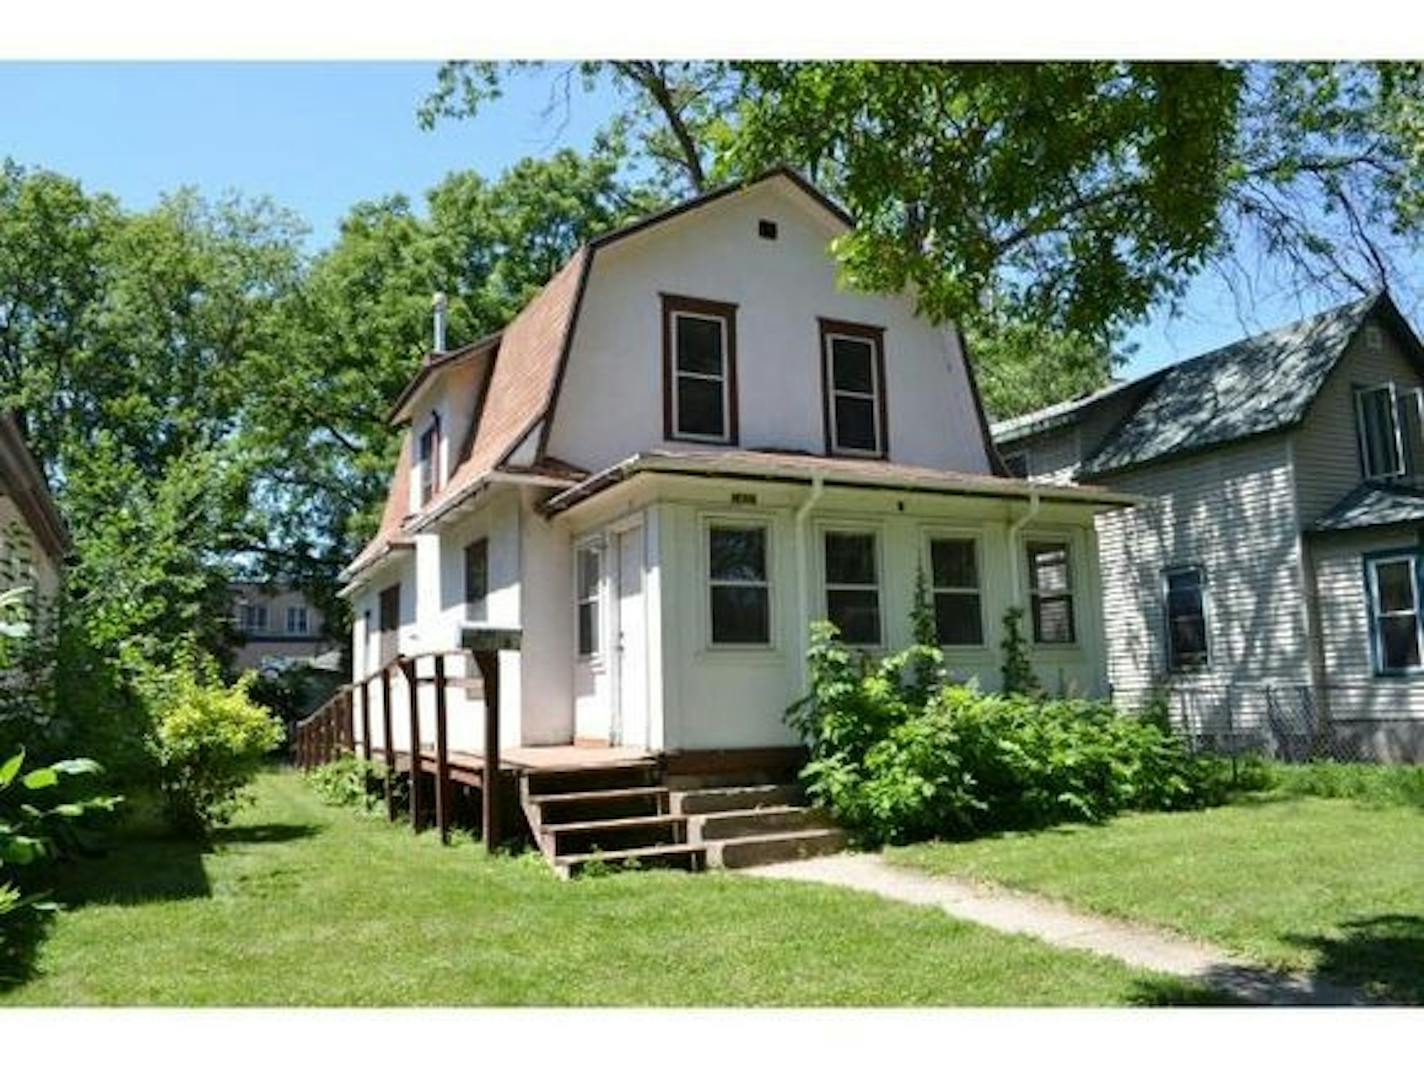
x=1167, y=992
x=1382, y=955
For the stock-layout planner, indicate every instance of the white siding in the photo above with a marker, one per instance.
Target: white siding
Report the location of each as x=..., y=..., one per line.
x=1230, y=511
x=1327, y=447
x=611, y=403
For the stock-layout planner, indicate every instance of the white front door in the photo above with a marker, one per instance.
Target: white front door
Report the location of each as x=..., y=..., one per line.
x=630, y=720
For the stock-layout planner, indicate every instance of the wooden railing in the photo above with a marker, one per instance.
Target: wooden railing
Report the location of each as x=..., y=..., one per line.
x=330, y=731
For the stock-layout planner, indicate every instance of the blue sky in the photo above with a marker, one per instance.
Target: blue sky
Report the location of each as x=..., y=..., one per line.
x=317, y=137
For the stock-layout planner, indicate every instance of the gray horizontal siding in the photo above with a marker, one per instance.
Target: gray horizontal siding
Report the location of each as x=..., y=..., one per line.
x=1230, y=511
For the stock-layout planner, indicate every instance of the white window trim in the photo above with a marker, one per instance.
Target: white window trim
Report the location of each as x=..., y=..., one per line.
x=1204, y=590
x=878, y=533
x=740, y=521
x=678, y=375
x=1376, y=614
x=932, y=534
x=595, y=659
x=831, y=337
x=1069, y=539
x=295, y=611
x=436, y=466
x=1360, y=394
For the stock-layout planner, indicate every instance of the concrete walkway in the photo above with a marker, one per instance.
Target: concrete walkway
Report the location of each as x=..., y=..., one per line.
x=1020, y=913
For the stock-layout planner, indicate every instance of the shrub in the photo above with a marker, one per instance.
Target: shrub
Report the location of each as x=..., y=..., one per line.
x=208, y=741
x=895, y=769
x=34, y=829
x=347, y=780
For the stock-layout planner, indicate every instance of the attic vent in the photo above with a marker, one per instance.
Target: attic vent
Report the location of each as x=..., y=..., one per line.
x=766, y=229
x=1374, y=339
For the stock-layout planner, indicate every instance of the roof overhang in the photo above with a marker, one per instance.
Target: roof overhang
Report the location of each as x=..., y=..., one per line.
x=23, y=482
x=353, y=573
x=434, y=363
x=796, y=470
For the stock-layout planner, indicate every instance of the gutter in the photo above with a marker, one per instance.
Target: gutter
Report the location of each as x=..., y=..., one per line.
x=802, y=577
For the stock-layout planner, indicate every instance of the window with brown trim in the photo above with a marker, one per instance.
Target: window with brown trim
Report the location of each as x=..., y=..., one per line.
x=699, y=370
x=430, y=460
x=853, y=388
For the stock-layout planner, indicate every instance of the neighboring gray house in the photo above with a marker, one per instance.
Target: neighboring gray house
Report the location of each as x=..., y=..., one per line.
x=278, y=625
x=1274, y=581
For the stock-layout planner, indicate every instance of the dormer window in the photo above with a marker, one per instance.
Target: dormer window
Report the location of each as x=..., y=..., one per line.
x=1390, y=422
x=853, y=383
x=430, y=461
x=700, y=370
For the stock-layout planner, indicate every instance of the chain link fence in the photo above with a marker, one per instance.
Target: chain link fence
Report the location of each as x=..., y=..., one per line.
x=1287, y=722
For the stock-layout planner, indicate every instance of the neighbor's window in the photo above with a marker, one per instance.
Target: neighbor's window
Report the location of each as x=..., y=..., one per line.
x=739, y=590
x=296, y=619
x=1381, y=447
x=589, y=566
x=1050, y=586
x=1185, y=590
x=853, y=378
x=1394, y=606
x=700, y=342
x=954, y=582
x=476, y=578
x=254, y=618
x=429, y=460
x=853, y=586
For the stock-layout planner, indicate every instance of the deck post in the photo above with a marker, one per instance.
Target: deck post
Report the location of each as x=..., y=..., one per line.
x=348, y=720
x=485, y=644
x=442, y=755
x=366, y=720
x=389, y=746
x=408, y=666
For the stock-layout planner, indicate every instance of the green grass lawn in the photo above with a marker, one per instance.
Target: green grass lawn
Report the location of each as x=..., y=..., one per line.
x=1335, y=886
x=303, y=904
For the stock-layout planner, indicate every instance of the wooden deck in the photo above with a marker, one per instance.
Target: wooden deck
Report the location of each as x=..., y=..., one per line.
x=468, y=768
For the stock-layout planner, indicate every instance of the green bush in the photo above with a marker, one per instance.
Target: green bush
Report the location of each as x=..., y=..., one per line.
x=347, y=780
x=894, y=768
x=208, y=741
x=40, y=814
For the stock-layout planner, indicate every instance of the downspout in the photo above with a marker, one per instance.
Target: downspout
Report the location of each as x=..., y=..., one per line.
x=1034, y=503
x=803, y=580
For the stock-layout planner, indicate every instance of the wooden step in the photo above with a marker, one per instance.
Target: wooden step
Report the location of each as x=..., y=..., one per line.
x=616, y=823
x=617, y=793
x=691, y=857
x=772, y=848
x=753, y=822
x=732, y=798
x=629, y=832
x=623, y=802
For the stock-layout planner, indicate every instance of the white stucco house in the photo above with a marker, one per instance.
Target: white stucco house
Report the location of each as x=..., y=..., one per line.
x=689, y=445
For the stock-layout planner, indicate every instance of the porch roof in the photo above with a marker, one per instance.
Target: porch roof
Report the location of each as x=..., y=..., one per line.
x=830, y=471
x=1373, y=504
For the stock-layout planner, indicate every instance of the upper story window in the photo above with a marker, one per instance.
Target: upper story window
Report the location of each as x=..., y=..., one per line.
x=853, y=585
x=853, y=382
x=1395, y=623
x=1381, y=443
x=738, y=584
x=954, y=582
x=430, y=460
x=1185, y=592
x=254, y=618
x=1050, y=586
x=589, y=567
x=700, y=370
x=296, y=619
x=476, y=578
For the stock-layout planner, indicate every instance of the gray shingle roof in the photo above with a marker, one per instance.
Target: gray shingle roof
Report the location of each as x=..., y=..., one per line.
x=1373, y=504
x=1252, y=386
